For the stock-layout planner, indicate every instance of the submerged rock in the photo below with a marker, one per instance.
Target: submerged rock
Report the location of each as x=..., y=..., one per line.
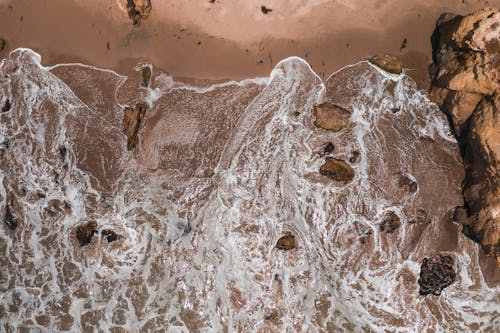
x=331, y=117
x=388, y=63
x=110, y=235
x=328, y=149
x=286, y=242
x=436, y=273
x=132, y=120
x=2, y=44
x=146, y=76
x=466, y=72
x=6, y=106
x=407, y=183
x=9, y=219
x=85, y=232
x=390, y=223
x=337, y=170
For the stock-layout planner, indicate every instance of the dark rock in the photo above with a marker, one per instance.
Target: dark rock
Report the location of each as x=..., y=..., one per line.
x=390, y=223
x=404, y=44
x=436, y=273
x=6, y=106
x=355, y=156
x=138, y=10
x=9, y=220
x=132, y=120
x=2, y=44
x=286, y=242
x=110, y=235
x=265, y=10
x=146, y=76
x=331, y=117
x=328, y=149
x=85, y=232
x=62, y=152
x=337, y=170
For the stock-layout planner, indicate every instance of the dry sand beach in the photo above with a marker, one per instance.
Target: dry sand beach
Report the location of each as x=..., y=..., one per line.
x=226, y=39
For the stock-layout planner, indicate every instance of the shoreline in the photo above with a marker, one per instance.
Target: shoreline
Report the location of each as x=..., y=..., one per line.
x=209, y=41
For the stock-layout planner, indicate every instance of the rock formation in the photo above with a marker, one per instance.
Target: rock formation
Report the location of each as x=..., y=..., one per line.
x=137, y=10
x=465, y=84
x=132, y=120
x=331, y=117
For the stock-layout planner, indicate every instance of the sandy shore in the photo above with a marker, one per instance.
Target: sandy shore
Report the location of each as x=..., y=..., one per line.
x=228, y=39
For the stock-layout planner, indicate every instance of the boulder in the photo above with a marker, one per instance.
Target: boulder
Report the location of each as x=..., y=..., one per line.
x=388, y=63
x=286, y=243
x=436, y=273
x=337, y=170
x=331, y=117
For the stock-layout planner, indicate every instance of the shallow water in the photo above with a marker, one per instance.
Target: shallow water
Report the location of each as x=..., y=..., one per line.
x=221, y=172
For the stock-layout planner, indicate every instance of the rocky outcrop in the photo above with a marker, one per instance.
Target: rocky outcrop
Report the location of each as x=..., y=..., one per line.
x=137, y=10
x=337, y=170
x=436, y=273
x=132, y=120
x=466, y=74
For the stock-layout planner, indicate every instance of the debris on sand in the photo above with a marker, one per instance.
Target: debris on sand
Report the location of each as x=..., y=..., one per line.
x=265, y=10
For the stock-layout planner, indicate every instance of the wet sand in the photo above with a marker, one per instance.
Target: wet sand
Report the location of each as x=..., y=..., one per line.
x=228, y=39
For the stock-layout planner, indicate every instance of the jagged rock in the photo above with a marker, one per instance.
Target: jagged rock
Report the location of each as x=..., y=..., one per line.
x=137, y=10
x=388, y=63
x=337, y=170
x=331, y=117
x=110, y=235
x=465, y=84
x=85, y=232
x=132, y=120
x=286, y=242
x=390, y=223
x=436, y=273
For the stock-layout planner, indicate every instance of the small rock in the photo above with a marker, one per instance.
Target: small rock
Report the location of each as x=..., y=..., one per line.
x=265, y=10
x=403, y=44
x=7, y=106
x=2, y=44
x=110, y=235
x=85, y=232
x=436, y=273
x=9, y=220
x=355, y=156
x=390, y=223
x=286, y=243
x=62, y=152
x=331, y=117
x=337, y=170
x=388, y=63
x=407, y=183
x=328, y=149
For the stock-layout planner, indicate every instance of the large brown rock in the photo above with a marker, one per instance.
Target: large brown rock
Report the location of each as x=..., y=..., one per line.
x=132, y=120
x=465, y=84
x=388, y=63
x=331, y=117
x=337, y=170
